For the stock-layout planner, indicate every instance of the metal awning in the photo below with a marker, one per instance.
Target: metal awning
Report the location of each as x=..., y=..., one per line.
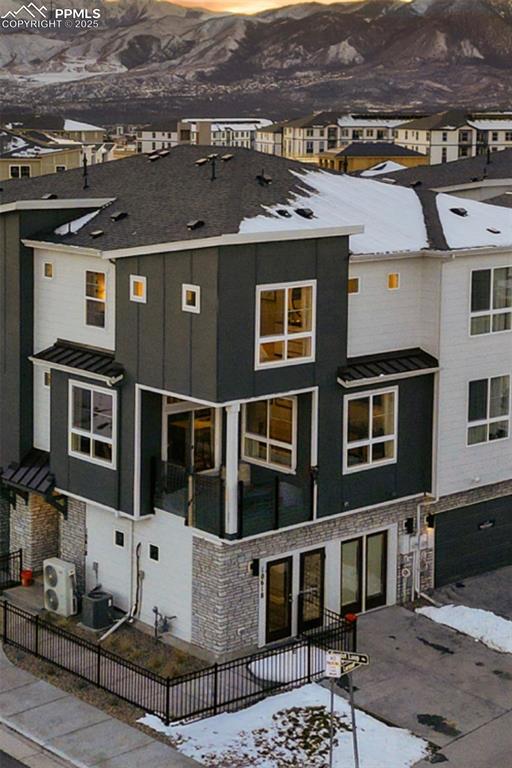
x=90, y=362
x=400, y=364
x=33, y=475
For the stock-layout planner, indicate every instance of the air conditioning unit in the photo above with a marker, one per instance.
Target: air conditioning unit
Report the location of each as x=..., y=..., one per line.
x=59, y=586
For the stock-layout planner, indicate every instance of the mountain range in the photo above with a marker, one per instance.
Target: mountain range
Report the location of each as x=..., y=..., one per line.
x=148, y=57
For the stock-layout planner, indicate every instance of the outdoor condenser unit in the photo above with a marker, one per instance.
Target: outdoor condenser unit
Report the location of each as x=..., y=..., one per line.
x=97, y=609
x=59, y=586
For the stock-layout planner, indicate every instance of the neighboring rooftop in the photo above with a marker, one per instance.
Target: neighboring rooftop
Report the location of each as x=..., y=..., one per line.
x=167, y=197
x=467, y=170
x=373, y=149
x=30, y=144
x=54, y=123
x=441, y=121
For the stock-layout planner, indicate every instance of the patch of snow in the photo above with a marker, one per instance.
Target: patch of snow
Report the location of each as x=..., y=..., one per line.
x=491, y=125
x=292, y=729
x=388, y=167
x=72, y=227
x=470, y=50
x=472, y=231
x=392, y=216
x=343, y=53
x=348, y=121
x=484, y=626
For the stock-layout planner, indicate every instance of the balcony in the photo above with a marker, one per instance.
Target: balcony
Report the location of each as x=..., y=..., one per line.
x=199, y=498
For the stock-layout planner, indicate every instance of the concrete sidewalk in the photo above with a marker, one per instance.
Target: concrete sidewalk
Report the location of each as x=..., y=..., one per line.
x=73, y=730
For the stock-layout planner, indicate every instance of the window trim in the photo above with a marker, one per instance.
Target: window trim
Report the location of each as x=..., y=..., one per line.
x=52, y=263
x=73, y=430
x=20, y=166
x=291, y=470
x=133, y=297
x=354, y=293
x=195, y=289
x=116, y=531
x=371, y=465
x=490, y=419
x=91, y=298
x=154, y=559
x=490, y=312
x=258, y=340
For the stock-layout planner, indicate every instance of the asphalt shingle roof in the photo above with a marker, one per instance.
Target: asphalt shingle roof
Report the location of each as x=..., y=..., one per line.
x=463, y=171
x=375, y=149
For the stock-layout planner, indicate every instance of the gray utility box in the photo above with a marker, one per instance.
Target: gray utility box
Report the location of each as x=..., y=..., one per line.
x=97, y=610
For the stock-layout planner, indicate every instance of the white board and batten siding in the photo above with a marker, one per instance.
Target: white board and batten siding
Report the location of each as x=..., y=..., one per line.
x=166, y=583
x=384, y=320
x=465, y=358
x=59, y=313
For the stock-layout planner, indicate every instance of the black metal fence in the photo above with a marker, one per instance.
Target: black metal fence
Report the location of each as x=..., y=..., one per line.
x=10, y=569
x=218, y=688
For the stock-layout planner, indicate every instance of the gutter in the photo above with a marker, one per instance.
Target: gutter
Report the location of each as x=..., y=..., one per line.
x=56, y=204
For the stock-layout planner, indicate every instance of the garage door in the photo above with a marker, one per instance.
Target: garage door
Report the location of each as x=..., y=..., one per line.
x=473, y=540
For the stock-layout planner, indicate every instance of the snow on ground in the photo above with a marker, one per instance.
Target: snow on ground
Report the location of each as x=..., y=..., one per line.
x=484, y=626
x=482, y=225
x=289, y=730
x=388, y=167
x=392, y=216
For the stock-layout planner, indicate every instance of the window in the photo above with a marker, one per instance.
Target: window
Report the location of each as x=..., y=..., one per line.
x=370, y=429
x=285, y=321
x=309, y=147
x=270, y=428
x=92, y=425
x=191, y=298
x=488, y=409
x=309, y=132
x=154, y=552
x=119, y=538
x=444, y=155
x=444, y=136
x=394, y=281
x=95, y=298
x=138, y=289
x=494, y=136
x=353, y=285
x=48, y=269
x=60, y=168
x=47, y=379
x=491, y=300
x=19, y=171
x=508, y=135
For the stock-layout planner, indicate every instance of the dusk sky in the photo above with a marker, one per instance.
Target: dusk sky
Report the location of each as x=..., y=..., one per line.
x=245, y=6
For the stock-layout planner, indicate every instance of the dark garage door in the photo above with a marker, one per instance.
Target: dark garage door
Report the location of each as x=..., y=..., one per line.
x=473, y=540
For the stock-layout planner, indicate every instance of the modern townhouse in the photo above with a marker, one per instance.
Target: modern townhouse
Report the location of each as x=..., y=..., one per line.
x=151, y=138
x=242, y=397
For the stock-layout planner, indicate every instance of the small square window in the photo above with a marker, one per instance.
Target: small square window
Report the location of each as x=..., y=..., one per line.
x=60, y=168
x=394, y=281
x=48, y=270
x=138, y=289
x=47, y=378
x=154, y=552
x=119, y=538
x=191, y=298
x=353, y=285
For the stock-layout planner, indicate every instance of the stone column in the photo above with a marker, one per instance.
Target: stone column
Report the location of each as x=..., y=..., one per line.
x=73, y=539
x=34, y=528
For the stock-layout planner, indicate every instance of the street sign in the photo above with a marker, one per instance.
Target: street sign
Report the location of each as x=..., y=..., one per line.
x=338, y=663
x=361, y=659
x=333, y=664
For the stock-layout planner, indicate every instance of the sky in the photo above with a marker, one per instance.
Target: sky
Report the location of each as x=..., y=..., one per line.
x=245, y=6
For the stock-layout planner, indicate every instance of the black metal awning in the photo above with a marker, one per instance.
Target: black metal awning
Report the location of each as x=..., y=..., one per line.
x=399, y=364
x=78, y=358
x=33, y=475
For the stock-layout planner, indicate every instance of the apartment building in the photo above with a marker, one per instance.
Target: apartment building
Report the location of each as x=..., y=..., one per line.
x=374, y=157
x=33, y=153
x=66, y=128
x=151, y=138
x=269, y=139
x=269, y=393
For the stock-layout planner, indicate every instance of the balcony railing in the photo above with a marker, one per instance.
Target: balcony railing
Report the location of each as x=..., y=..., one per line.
x=199, y=498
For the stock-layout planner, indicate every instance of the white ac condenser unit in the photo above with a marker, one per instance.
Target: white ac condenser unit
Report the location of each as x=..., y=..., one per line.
x=59, y=586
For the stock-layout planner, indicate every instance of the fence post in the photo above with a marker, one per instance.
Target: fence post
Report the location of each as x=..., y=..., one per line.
x=5, y=621
x=36, y=650
x=98, y=667
x=309, y=659
x=168, y=701
x=215, y=687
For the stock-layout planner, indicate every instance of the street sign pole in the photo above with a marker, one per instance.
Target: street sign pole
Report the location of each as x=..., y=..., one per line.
x=354, y=726
x=331, y=737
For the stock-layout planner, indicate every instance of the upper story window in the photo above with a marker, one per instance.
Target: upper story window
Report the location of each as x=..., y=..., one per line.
x=60, y=168
x=48, y=270
x=95, y=298
x=138, y=289
x=353, y=285
x=491, y=300
x=393, y=281
x=285, y=324
x=19, y=171
x=370, y=421
x=488, y=409
x=191, y=298
x=444, y=136
x=494, y=136
x=270, y=433
x=92, y=423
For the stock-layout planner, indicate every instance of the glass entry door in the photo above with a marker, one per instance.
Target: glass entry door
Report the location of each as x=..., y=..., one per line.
x=364, y=564
x=311, y=595
x=191, y=439
x=279, y=600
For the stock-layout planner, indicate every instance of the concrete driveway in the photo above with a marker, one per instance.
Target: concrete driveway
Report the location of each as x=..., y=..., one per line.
x=441, y=685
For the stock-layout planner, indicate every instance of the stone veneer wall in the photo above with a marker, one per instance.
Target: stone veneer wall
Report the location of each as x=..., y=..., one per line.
x=34, y=528
x=225, y=596
x=4, y=526
x=73, y=539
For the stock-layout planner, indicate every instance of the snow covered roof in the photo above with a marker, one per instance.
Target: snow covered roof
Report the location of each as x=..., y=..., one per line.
x=160, y=199
x=74, y=125
x=24, y=146
x=370, y=121
x=388, y=167
x=492, y=125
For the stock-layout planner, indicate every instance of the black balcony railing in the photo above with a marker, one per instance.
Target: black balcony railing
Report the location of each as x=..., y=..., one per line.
x=200, y=499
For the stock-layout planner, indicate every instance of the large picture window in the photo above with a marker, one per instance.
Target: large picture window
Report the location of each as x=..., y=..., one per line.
x=488, y=409
x=285, y=323
x=370, y=429
x=491, y=300
x=270, y=428
x=95, y=298
x=92, y=423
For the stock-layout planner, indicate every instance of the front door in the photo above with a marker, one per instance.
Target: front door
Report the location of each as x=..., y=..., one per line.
x=311, y=595
x=364, y=564
x=279, y=600
x=191, y=439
